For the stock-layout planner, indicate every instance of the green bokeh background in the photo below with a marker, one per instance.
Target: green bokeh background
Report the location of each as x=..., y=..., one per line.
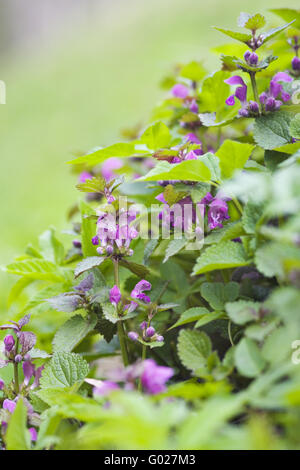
x=81, y=88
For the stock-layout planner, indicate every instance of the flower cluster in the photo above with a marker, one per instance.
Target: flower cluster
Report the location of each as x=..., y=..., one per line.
x=217, y=212
x=181, y=91
x=250, y=108
x=115, y=296
x=148, y=333
x=114, y=236
x=269, y=98
x=152, y=376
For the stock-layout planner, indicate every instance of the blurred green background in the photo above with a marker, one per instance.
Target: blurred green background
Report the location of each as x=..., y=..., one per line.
x=77, y=75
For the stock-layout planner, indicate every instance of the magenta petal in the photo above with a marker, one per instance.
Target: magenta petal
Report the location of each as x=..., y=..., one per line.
x=282, y=77
x=180, y=91
x=230, y=100
x=241, y=93
x=33, y=434
x=235, y=80
x=275, y=88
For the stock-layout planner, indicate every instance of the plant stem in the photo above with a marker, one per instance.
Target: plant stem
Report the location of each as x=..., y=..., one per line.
x=120, y=326
x=16, y=372
x=229, y=333
x=254, y=88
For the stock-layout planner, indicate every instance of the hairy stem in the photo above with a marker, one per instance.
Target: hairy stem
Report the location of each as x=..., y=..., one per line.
x=120, y=326
x=254, y=88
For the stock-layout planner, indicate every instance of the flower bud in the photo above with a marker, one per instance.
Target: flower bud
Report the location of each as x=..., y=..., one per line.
x=1, y=384
x=133, y=335
x=247, y=55
x=27, y=357
x=76, y=243
x=18, y=358
x=254, y=108
x=150, y=331
x=100, y=250
x=270, y=103
x=95, y=240
x=143, y=325
x=115, y=295
x=9, y=342
x=253, y=59
x=109, y=250
x=160, y=338
x=296, y=63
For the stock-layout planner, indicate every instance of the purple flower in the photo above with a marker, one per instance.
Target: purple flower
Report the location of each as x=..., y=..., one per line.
x=105, y=387
x=109, y=166
x=296, y=63
x=240, y=94
x=150, y=331
x=194, y=108
x=218, y=211
x=115, y=295
x=180, y=91
x=86, y=284
x=143, y=325
x=9, y=405
x=192, y=138
x=33, y=434
x=269, y=98
x=28, y=370
x=154, y=377
x=2, y=384
x=133, y=335
x=160, y=338
x=9, y=342
x=207, y=199
x=85, y=175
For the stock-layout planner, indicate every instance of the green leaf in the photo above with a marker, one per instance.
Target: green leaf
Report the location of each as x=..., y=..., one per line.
x=193, y=71
x=242, y=37
x=119, y=150
x=94, y=185
x=226, y=254
x=251, y=215
x=191, y=315
x=193, y=348
x=273, y=159
x=248, y=359
x=272, y=130
x=156, y=136
x=174, y=247
x=36, y=269
x=288, y=14
x=213, y=163
x=87, y=264
x=295, y=127
x=208, y=318
x=65, y=369
x=252, y=22
x=17, y=436
x=213, y=95
x=230, y=231
x=217, y=293
x=138, y=269
x=233, y=156
x=189, y=170
x=71, y=333
x=149, y=249
x=51, y=249
x=267, y=36
x=242, y=311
